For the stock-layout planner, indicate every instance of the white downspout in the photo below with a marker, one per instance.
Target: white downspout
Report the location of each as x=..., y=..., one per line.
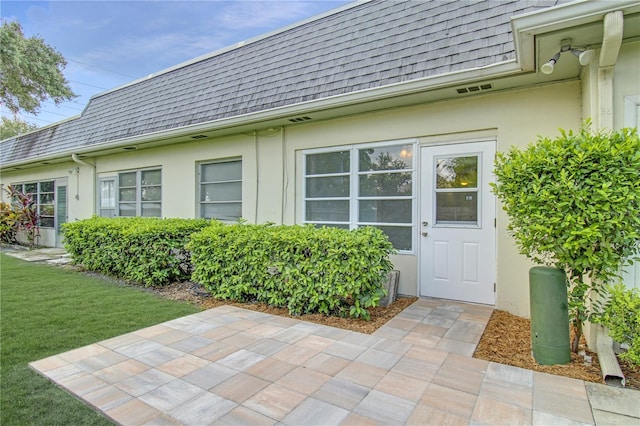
x=77, y=160
x=611, y=42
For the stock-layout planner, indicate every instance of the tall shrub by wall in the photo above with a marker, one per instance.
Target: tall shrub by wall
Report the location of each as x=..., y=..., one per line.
x=302, y=268
x=146, y=250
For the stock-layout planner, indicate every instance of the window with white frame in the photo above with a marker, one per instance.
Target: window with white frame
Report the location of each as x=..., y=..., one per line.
x=107, y=197
x=364, y=185
x=139, y=193
x=220, y=186
x=43, y=195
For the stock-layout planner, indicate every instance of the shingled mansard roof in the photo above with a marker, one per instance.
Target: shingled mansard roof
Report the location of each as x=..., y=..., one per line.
x=363, y=46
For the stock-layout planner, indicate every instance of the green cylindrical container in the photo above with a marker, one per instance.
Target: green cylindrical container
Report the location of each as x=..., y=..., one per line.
x=549, y=315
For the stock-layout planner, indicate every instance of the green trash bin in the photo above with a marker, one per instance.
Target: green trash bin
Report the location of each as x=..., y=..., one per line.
x=549, y=315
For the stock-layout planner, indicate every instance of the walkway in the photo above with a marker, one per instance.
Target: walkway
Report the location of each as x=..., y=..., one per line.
x=233, y=366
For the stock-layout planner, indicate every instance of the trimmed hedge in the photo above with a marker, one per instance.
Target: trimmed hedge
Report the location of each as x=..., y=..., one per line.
x=302, y=268
x=146, y=250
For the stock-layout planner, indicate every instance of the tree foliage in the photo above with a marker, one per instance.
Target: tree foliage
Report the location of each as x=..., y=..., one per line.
x=574, y=203
x=30, y=71
x=10, y=128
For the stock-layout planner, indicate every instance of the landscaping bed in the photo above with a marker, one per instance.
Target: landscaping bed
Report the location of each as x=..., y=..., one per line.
x=507, y=340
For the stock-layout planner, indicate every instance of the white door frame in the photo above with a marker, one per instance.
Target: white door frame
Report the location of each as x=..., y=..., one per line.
x=488, y=210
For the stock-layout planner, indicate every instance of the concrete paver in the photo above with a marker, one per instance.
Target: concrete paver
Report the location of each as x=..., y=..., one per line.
x=233, y=366
x=289, y=371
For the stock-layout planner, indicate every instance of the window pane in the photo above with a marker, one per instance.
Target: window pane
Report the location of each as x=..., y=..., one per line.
x=400, y=236
x=30, y=188
x=127, y=179
x=332, y=186
x=47, y=210
x=328, y=211
x=390, y=184
x=46, y=198
x=223, y=211
x=217, y=172
x=46, y=186
x=329, y=162
x=107, y=194
x=457, y=172
x=151, y=210
x=128, y=194
x=151, y=193
x=385, y=211
x=396, y=157
x=127, y=209
x=107, y=212
x=457, y=207
x=229, y=191
x=151, y=177
x=46, y=222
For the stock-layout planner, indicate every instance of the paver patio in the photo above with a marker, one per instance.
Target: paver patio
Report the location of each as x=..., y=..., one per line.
x=229, y=365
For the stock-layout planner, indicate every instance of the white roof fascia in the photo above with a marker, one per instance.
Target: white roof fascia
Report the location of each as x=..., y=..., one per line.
x=501, y=69
x=526, y=26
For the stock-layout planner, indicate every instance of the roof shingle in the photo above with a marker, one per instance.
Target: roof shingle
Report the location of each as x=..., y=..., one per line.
x=368, y=45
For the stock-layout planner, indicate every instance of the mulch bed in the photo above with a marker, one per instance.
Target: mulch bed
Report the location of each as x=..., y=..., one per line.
x=507, y=340
x=191, y=292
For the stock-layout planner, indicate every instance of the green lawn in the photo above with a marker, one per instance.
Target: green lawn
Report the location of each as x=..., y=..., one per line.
x=45, y=310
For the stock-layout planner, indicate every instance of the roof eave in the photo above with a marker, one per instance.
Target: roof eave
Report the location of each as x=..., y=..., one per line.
x=502, y=69
x=529, y=25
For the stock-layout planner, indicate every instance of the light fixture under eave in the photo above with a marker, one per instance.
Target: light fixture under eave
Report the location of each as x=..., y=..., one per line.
x=585, y=56
x=548, y=67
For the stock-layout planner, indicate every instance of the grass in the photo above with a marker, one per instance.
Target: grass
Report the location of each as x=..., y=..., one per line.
x=46, y=310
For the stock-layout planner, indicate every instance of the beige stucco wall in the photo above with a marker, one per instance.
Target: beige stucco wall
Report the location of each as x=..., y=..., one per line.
x=64, y=172
x=179, y=165
x=271, y=185
x=626, y=81
x=515, y=118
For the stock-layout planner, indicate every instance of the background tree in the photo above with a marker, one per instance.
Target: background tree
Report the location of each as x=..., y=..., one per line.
x=30, y=71
x=574, y=203
x=9, y=127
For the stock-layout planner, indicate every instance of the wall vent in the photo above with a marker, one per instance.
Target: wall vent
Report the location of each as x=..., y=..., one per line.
x=472, y=89
x=299, y=119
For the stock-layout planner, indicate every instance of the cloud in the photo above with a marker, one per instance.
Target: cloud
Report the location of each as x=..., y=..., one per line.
x=262, y=14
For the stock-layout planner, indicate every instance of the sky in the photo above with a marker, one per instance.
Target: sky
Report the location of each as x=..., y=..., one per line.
x=111, y=43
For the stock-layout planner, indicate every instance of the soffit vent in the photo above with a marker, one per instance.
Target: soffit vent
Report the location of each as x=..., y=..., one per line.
x=198, y=137
x=299, y=119
x=473, y=89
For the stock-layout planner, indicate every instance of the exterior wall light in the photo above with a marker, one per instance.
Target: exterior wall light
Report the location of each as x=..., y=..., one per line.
x=584, y=56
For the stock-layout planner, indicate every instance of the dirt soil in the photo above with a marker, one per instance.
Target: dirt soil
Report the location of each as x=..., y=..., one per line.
x=506, y=339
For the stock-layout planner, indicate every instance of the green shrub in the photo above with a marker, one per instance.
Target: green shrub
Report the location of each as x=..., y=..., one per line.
x=622, y=317
x=145, y=250
x=8, y=223
x=572, y=203
x=302, y=268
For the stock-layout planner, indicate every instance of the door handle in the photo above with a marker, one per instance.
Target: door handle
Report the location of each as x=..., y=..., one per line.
x=424, y=234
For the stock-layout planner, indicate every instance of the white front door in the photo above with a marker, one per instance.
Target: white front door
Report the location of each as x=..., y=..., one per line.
x=457, y=226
